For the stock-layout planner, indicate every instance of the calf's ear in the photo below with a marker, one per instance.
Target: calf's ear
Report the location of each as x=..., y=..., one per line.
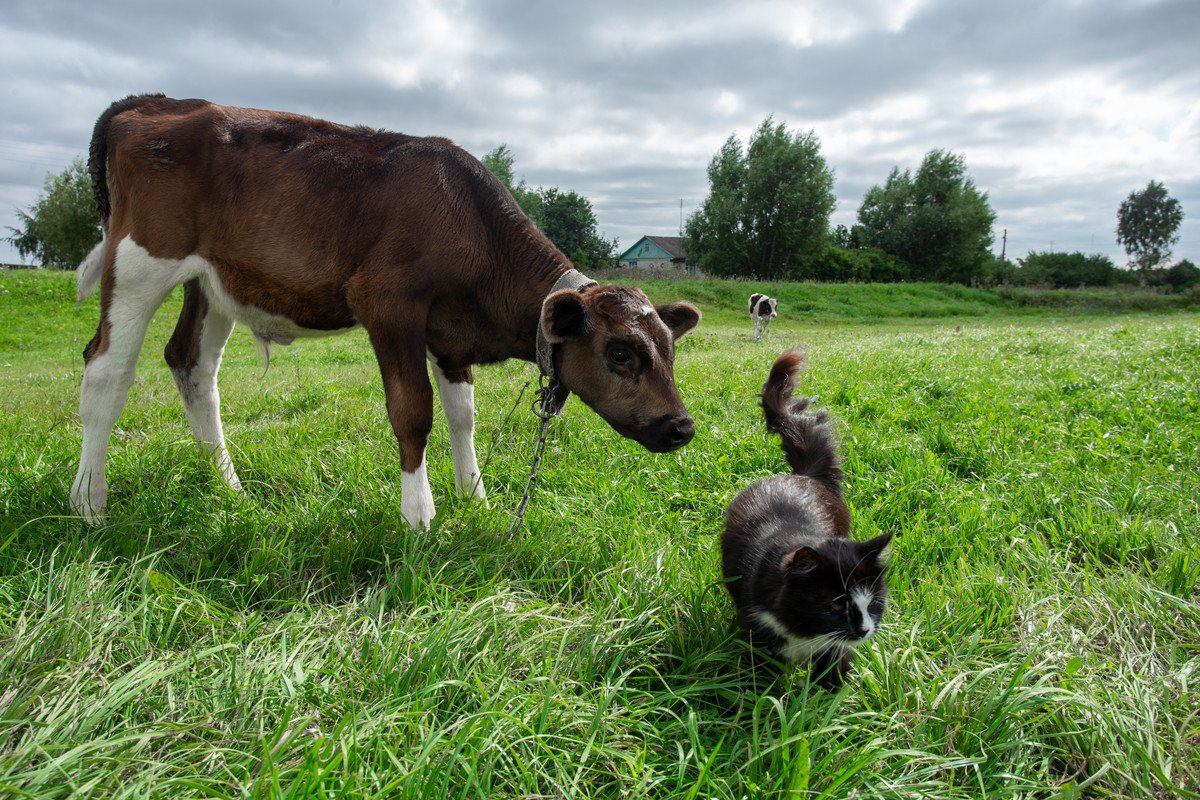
x=564, y=316
x=679, y=317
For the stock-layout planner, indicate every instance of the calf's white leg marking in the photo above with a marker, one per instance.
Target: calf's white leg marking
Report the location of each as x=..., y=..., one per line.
x=202, y=400
x=416, y=498
x=458, y=401
x=141, y=283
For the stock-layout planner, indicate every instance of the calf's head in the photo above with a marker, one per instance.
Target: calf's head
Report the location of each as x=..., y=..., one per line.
x=616, y=350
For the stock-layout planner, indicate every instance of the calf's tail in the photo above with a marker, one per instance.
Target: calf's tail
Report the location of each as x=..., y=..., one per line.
x=87, y=276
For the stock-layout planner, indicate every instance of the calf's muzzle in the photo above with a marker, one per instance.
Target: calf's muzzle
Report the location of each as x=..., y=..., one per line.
x=668, y=433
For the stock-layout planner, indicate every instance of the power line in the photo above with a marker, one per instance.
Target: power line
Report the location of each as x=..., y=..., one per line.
x=38, y=148
x=40, y=152
x=44, y=164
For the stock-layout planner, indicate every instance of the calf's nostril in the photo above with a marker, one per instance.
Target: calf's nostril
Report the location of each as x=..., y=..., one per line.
x=682, y=431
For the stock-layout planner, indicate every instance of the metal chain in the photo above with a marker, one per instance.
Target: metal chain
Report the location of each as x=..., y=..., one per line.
x=551, y=395
x=546, y=405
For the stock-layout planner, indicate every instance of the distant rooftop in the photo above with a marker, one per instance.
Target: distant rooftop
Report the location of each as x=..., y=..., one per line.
x=672, y=244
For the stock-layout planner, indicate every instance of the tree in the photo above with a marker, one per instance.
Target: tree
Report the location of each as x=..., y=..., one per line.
x=63, y=225
x=500, y=161
x=936, y=220
x=717, y=239
x=566, y=218
x=767, y=212
x=568, y=221
x=845, y=238
x=1148, y=227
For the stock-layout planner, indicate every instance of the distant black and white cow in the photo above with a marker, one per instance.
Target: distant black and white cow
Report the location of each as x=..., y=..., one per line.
x=297, y=227
x=762, y=308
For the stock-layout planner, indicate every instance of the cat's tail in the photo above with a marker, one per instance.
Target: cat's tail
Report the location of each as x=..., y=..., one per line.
x=807, y=439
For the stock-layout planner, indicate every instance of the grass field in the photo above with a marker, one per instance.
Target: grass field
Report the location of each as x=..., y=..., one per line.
x=1043, y=639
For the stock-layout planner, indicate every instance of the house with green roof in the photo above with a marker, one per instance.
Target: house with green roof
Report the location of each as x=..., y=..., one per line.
x=657, y=253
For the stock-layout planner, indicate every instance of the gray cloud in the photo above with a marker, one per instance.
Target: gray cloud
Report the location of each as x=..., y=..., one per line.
x=1060, y=108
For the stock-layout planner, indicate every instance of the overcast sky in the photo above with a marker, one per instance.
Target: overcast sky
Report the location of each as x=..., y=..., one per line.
x=1060, y=108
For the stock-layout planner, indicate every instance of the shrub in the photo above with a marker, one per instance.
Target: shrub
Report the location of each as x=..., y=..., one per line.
x=866, y=265
x=1182, y=275
x=1065, y=270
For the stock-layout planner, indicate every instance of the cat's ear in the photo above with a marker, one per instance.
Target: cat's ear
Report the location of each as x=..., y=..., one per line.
x=801, y=561
x=873, y=547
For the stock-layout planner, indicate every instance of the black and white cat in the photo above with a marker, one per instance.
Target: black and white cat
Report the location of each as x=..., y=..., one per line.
x=803, y=588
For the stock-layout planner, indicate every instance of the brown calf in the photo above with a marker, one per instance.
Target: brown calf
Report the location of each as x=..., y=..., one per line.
x=294, y=227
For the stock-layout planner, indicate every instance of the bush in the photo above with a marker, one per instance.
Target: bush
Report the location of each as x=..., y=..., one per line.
x=849, y=265
x=1065, y=271
x=996, y=271
x=1181, y=276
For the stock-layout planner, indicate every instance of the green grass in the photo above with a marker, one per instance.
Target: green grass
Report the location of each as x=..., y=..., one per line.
x=297, y=640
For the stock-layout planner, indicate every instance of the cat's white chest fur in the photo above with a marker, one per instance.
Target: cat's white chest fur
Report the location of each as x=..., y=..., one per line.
x=795, y=648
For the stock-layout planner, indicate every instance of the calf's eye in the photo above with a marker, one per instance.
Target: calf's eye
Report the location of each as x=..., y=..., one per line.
x=620, y=356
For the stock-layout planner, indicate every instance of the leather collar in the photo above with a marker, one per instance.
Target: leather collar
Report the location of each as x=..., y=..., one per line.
x=571, y=279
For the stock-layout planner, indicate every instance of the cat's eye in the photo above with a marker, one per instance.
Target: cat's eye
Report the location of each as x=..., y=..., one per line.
x=839, y=606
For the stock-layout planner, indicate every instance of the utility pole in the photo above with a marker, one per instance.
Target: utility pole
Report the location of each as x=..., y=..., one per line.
x=681, y=218
x=1004, y=244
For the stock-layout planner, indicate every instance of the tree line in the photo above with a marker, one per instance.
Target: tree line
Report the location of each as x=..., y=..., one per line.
x=766, y=216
